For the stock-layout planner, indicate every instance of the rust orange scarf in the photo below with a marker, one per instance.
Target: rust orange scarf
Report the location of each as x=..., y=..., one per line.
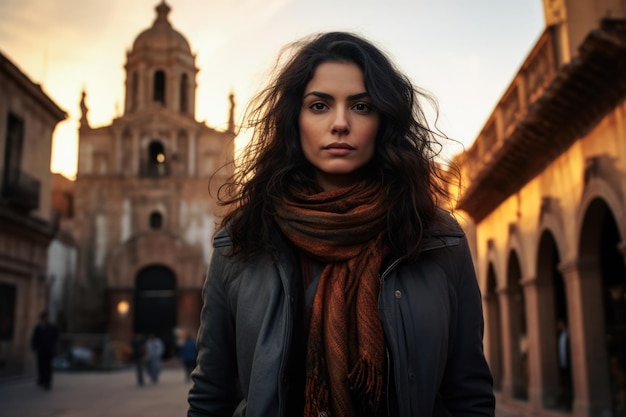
x=344, y=229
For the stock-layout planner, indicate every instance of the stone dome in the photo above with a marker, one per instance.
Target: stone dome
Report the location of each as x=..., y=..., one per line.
x=161, y=36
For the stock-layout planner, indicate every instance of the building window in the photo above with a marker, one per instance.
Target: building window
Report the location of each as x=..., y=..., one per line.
x=13, y=150
x=7, y=311
x=156, y=220
x=18, y=189
x=159, y=87
x=134, y=91
x=183, y=93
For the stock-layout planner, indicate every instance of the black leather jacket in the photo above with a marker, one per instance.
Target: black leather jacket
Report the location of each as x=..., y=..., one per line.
x=431, y=312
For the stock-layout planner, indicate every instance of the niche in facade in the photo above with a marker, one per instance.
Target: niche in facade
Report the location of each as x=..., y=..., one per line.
x=159, y=87
x=156, y=220
x=157, y=162
x=184, y=85
x=134, y=91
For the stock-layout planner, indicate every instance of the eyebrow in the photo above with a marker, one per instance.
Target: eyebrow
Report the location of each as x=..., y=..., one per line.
x=330, y=97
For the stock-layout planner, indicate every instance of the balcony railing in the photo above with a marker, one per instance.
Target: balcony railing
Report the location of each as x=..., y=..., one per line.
x=528, y=85
x=20, y=190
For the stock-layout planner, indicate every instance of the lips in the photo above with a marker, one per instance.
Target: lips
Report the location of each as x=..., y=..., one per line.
x=339, y=145
x=338, y=150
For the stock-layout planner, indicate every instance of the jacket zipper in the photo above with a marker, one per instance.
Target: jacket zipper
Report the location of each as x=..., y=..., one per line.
x=388, y=379
x=385, y=273
x=286, y=343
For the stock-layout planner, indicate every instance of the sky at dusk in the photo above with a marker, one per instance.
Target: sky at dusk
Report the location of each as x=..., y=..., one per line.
x=465, y=53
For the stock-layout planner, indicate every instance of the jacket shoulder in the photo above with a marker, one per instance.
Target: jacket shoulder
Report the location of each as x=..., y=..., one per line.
x=445, y=225
x=222, y=239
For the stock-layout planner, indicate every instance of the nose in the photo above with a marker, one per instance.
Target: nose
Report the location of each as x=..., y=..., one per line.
x=340, y=124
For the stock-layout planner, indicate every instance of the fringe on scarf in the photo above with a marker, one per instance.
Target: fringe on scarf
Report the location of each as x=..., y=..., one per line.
x=316, y=393
x=366, y=380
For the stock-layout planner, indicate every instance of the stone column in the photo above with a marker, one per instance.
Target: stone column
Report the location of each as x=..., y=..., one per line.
x=493, y=338
x=509, y=350
x=591, y=384
x=193, y=147
x=543, y=359
x=136, y=153
x=534, y=304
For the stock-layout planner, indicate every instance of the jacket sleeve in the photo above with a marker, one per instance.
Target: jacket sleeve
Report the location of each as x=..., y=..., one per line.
x=467, y=388
x=214, y=391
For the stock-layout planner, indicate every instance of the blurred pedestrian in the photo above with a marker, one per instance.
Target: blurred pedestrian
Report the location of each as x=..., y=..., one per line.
x=565, y=371
x=154, y=357
x=44, y=342
x=139, y=356
x=188, y=355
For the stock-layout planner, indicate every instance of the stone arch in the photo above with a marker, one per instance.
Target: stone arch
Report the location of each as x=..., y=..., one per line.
x=515, y=245
x=551, y=220
x=493, y=329
x=517, y=327
x=601, y=303
x=126, y=261
x=154, y=304
x=598, y=188
x=549, y=308
x=154, y=247
x=492, y=259
x=493, y=292
x=515, y=320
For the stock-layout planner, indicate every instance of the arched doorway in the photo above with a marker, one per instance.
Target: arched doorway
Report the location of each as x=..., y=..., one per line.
x=493, y=324
x=155, y=304
x=553, y=334
x=518, y=328
x=614, y=284
x=599, y=248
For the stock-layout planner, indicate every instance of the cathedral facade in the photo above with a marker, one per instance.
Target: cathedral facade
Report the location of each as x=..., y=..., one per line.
x=145, y=206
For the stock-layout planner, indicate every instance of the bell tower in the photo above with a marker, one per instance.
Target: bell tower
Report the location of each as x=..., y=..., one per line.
x=160, y=69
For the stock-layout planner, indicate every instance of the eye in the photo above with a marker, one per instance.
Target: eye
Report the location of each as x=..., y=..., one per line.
x=318, y=106
x=363, y=107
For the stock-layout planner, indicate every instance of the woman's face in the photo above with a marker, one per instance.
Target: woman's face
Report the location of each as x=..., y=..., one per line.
x=338, y=124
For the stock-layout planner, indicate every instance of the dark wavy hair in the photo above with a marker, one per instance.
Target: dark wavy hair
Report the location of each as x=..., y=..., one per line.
x=273, y=161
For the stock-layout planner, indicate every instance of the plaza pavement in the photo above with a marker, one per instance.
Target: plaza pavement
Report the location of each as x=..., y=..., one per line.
x=97, y=394
x=102, y=394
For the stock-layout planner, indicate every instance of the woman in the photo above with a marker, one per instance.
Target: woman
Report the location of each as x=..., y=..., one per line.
x=337, y=286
